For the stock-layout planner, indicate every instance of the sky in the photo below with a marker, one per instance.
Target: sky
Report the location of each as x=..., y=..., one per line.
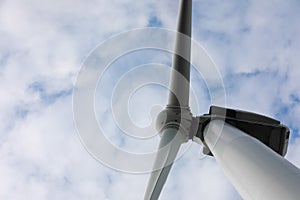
x=44, y=45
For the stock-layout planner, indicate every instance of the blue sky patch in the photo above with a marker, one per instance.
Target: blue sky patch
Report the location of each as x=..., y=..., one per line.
x=47, y=97
x=154, y=22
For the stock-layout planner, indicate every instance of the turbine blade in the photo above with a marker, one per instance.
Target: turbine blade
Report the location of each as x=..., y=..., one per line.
x=169, y=146
x=181, y=59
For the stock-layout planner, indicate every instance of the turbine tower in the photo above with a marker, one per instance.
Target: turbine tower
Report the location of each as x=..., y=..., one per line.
x=250, y=148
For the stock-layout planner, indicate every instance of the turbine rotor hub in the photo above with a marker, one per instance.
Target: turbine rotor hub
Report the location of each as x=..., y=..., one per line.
x=179, y=118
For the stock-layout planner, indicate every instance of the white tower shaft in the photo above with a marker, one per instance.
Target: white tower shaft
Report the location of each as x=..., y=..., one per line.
x=257, y=172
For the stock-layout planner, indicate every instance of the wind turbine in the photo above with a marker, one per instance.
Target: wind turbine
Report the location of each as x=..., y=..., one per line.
x=178, y=104
x=248, y=147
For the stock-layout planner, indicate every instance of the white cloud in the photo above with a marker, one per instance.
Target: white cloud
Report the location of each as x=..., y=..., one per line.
x=255, y=45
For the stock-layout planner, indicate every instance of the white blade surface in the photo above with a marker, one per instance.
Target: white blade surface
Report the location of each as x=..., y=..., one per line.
x=169, y=146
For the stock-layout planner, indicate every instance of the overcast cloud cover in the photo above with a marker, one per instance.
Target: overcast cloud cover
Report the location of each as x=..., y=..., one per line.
x=255, y=45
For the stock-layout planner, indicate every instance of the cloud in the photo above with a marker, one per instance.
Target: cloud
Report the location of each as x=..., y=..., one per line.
x=255, y=46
